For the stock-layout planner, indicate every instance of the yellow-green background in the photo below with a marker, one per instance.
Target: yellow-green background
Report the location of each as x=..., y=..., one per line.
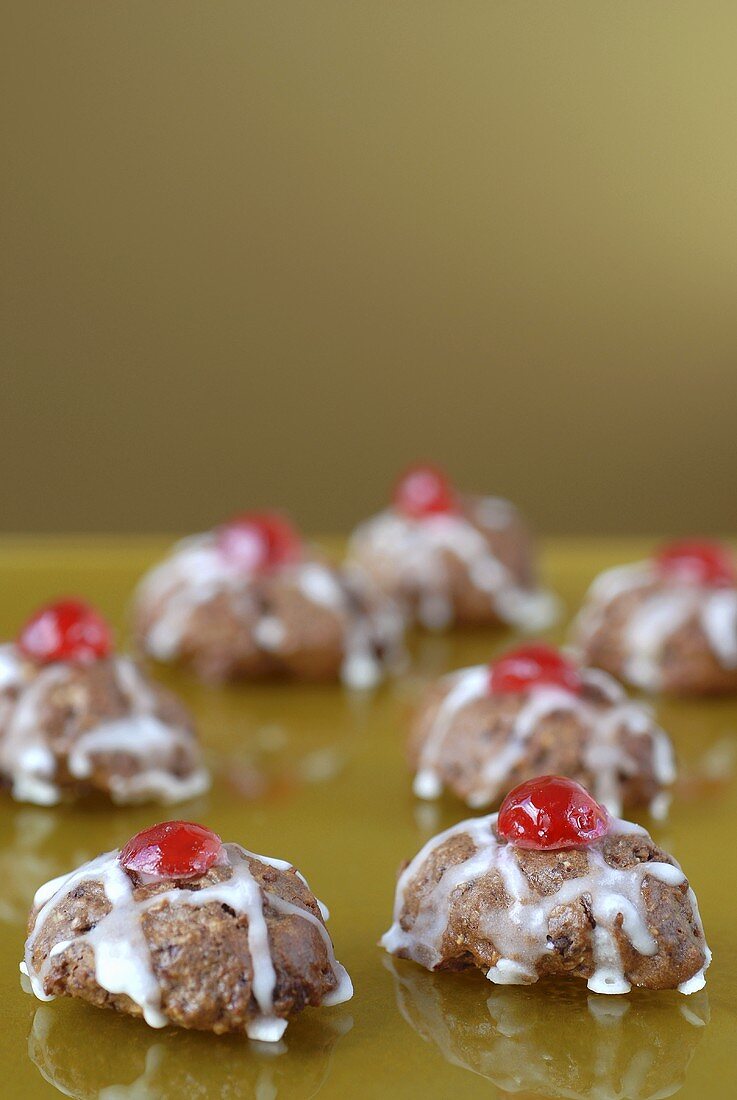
x=264, y=252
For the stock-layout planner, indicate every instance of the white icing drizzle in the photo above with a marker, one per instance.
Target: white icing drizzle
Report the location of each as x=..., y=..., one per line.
x=698, y=980
x=144, y=736
x=519, y=933
x=192, y=575
x=719, y=621
x=11, y=674
x=361, y=668
x=121, y=956
x=269, y=633
x=467, y=686
x=417, y=550
x=646, y=633
x=662, y=612
x=196, y=572
x=27, y=759
x=604, y=754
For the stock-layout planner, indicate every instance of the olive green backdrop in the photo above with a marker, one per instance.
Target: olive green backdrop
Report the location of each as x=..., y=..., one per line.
x=265, y=252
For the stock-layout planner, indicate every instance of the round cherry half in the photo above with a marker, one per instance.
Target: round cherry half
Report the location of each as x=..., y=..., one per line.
x=551, y=812
x=173, y=849
x=259, y=542
x=68, y=630
x=422, y=491
x=533, y=666
x=697, y=562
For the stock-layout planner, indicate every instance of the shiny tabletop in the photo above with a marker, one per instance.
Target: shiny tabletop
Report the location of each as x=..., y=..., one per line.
x=317, y=776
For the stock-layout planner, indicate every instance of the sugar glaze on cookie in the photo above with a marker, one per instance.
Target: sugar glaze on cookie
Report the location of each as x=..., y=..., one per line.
x=602, y=709
x=419, y=550
x=659, y=630
x=469, y=898
x=197, y=574
x=122, y=956
x=30, y=759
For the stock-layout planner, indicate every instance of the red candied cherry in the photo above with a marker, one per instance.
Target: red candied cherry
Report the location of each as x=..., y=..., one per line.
x=424, y=491
x=259, y=542
x=551, y=812
x=698, y=562
x=533, y=666
x=173, y=849
x=68, y=630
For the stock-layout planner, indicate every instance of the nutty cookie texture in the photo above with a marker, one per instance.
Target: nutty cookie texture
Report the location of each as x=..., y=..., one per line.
x=551, y=885
x=77, y=719
x=482, y=730
x=251, y=600
x=666, y=624
x=452, y=558
x=179, y=928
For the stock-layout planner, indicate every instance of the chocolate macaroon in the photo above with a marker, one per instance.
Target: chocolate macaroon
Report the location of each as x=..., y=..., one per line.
x=482, y=730
x=451, y=558
x=552, y=885
x=179, y=928
x=666, y=624
x=252, y=600
x=77, y=719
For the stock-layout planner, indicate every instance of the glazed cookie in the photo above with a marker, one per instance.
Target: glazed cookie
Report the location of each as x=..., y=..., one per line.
x=485, y=729
x=449, y=557
x=182, y=929
x=668, y=624
x=551, y=885
x=77, y=719
x=250, y=600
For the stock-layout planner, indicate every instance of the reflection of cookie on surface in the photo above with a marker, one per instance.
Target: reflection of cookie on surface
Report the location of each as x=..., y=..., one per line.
x=180, y=928
x=129, y=1063
x=451, y=558
x=666, y=624
x=636, y=1049
x=485, y=729
x=250, y=600
x=77, y=720
x=611, y=908
x=272, y=765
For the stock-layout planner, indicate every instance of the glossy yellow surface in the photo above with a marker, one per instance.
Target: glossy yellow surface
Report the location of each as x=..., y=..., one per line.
x=315, y=776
